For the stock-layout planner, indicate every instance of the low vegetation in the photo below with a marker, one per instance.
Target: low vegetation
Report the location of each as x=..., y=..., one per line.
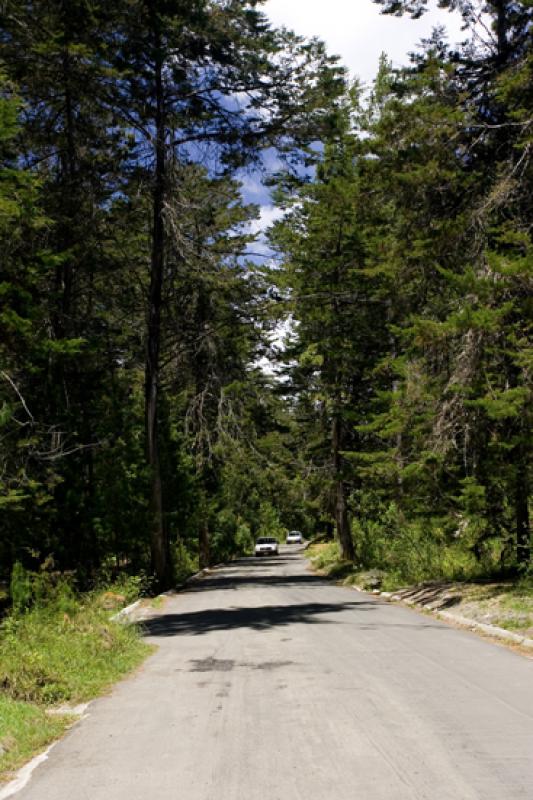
x=25, y=729
x=505, y=604
x=58, y=648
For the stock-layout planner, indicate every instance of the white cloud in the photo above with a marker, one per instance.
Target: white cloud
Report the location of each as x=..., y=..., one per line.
x=260, y=249
x=268, y=215
x=355, y=29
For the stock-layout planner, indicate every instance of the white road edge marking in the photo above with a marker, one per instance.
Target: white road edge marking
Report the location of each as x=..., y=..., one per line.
x=24, y=774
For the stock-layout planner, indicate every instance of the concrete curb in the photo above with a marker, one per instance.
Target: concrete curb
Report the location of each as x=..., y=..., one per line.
x=126, y=612
x=23, y=775
x=491, y=630
x=464, y=622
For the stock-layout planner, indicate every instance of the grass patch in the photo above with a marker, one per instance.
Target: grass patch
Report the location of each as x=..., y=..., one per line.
x=25, y=729
x=324, y=556
x=514, y=624
x=506, y=604
x=64, y=650
x=51, y=655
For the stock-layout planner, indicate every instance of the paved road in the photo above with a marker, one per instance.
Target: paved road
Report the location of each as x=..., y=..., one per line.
x=271, y=684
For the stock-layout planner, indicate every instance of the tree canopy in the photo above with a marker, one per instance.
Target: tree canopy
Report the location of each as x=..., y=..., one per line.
x=139, y=429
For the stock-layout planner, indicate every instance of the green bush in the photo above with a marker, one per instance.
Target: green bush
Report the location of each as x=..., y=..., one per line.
x=413, y=551
x=269, y=523
x=185, y=564
x=324, y=556
x=244, y=540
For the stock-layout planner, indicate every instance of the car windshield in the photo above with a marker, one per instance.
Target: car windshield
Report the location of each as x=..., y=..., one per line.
x=266, y=540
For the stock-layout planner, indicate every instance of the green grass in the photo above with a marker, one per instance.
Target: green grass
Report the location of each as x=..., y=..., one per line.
x=65, y=651
x=25, y=730
x=324, y=556
x=515, y=624
x=51, y=655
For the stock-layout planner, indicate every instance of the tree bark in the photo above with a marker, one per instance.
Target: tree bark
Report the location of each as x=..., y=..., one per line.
x=158, y=535
x=342, y=522
x=203, y=541
x=523, y=531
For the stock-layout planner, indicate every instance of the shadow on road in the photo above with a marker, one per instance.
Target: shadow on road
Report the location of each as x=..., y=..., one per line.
x=251, y=572
x=259, y=618
x=225, y=581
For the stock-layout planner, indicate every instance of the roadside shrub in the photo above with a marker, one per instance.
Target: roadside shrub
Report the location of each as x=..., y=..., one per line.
x=324, y=556
x=20, y=588
x=184, y=563
x=129, y=587
x=411, y=551
x=244, y=540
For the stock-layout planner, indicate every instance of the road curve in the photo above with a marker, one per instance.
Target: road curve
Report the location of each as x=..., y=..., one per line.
x=269, y=683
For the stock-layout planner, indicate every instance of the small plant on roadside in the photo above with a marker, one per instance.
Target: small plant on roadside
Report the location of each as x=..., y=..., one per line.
x=20, y=588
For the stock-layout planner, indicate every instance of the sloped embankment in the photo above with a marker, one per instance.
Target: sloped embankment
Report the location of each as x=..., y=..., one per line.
x=53, y=656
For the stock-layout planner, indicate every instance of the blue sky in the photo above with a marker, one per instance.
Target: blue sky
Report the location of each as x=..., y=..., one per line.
x=357, y=32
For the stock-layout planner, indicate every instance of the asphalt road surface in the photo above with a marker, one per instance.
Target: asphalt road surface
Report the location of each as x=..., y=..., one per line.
x=271, y=684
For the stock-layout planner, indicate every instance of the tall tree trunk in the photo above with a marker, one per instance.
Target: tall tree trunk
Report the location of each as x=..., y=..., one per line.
x=158, y=537
x=205, y=419
x=204, y=543
x=502, y=10
x=523, y=531
x=344, y=534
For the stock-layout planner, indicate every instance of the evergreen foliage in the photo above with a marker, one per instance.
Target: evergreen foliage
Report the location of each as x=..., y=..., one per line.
x=408, y=262
x=138, y=431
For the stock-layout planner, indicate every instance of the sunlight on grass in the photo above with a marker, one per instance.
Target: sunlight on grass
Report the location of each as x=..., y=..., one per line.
x=25, y=730
x=67, y=650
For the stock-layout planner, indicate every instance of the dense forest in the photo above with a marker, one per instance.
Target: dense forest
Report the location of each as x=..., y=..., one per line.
x=140, y=429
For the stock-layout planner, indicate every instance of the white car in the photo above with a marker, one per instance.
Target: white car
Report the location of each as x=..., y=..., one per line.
x=294, y=537
x=266, y=546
